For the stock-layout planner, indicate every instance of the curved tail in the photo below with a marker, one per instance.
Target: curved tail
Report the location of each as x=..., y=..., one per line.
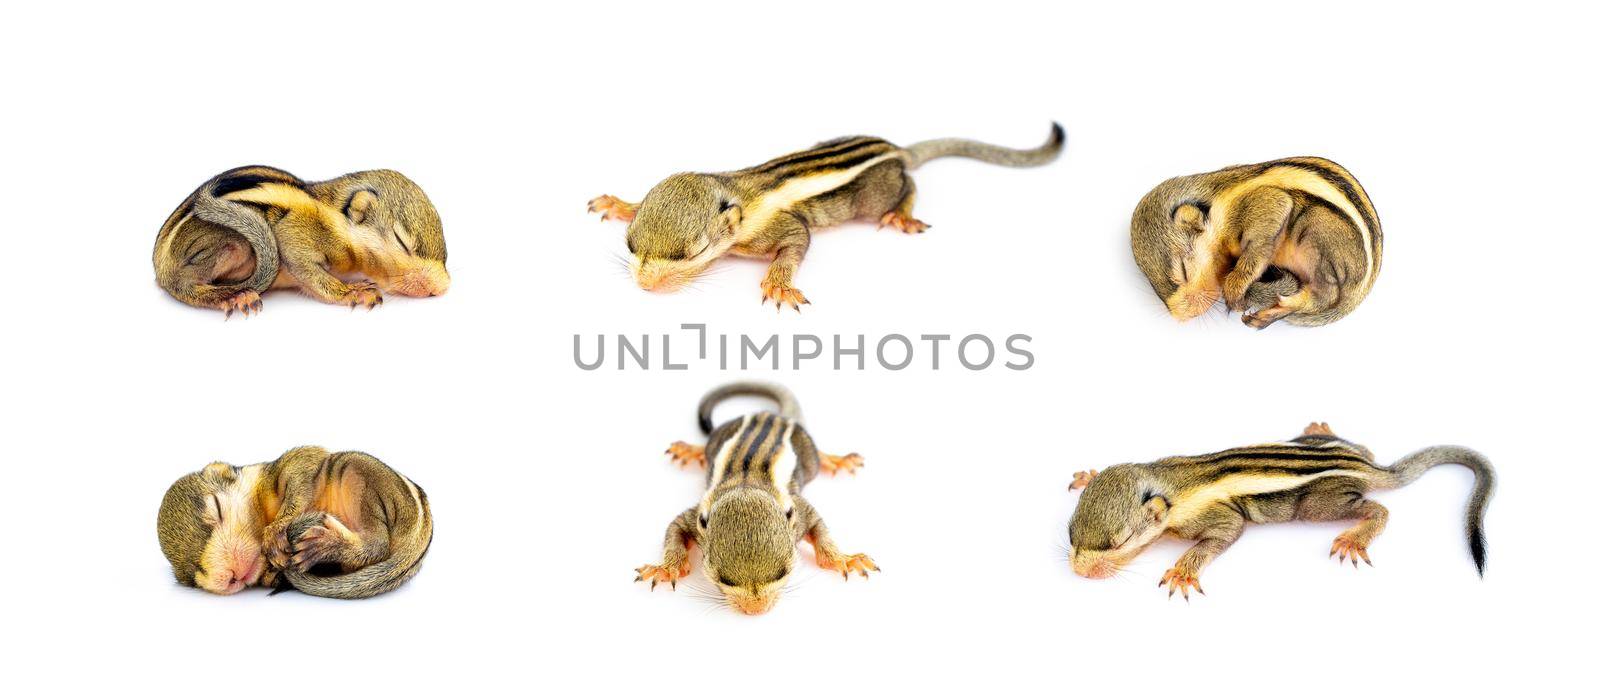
x=788, y=406
x=405, y=558
x=1409, y=468
x=922, y=152
x=252, y=226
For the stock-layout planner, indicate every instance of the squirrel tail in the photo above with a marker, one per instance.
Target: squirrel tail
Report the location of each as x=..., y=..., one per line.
x=403, y=563
x=211, y=206
x=1409, y=468
x=788, y=406
x=922, y=152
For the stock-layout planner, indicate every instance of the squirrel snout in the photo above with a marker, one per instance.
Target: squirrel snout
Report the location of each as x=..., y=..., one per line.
x=1092, y=567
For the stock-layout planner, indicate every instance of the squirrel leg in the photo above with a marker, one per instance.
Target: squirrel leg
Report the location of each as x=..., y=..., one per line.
x=612, y=207
x=794, y=239
x=296, y=475
x=1222, y=528
x=900, y=217
x=674, y=552
x=321, y=538
x=828, y=554
x=307, y=264
x=1345, y=502
x=1256, y=221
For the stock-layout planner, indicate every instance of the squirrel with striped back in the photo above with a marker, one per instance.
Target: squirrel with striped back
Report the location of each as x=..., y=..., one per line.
x=768, y=211
x=752, y=516
x=1316, y=476
x=344, y=241
x=337, y=525
x=1293, y=239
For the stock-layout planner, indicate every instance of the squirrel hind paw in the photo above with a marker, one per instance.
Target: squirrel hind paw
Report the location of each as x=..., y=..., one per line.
x=1318, y=429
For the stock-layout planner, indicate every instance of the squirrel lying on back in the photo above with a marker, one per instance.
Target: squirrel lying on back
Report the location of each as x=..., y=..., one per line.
x=337, y=525
x=256, y=228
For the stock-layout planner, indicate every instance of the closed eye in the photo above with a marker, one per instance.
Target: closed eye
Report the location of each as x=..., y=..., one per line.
x=217, y=503
x=1119, y=543
x=727, y=582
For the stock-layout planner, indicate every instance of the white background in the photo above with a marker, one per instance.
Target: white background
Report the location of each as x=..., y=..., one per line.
x=1472, y=129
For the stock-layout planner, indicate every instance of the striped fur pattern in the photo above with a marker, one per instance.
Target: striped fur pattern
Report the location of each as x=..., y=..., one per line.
x=255, y=228
x=1317, y=476
x=752, y=514
x=770, y=210
x=338, y=525
x=1217, y=236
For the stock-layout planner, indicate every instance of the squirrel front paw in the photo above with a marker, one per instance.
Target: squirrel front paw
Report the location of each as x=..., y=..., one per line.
x=1178, y=578
x=782, y=294
x=317, y=540
x=363, y=293
x=275, y=544
x=846, y=564
x=665, y=573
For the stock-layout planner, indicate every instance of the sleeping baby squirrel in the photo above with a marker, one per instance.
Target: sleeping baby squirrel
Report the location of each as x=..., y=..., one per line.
x=1214, y=235
x=256, y=228
x=752, y=515
x=769, y=210
x=1316, y=477
x=337, y=525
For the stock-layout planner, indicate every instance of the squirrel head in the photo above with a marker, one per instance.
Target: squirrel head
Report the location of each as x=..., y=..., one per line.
x=749, y=548
x=210, y=529
x=1120, y=513
x=684, y=223
x=1177, y=248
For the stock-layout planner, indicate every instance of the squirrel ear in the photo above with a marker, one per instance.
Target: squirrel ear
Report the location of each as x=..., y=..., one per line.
x=221, y=471
x=1190, y=218
x=1156, y=507
x=730, y=217
x=360, y=205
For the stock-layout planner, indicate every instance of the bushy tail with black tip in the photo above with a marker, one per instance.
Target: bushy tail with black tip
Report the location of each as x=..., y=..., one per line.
x=1411, y=467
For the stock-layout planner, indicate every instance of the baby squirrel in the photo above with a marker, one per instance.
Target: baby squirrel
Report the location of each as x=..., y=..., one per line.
x=256, y=228
x=752, y=515
x=1316, y=477
x=769, y=211
x=336, y=525
x=1209, y=236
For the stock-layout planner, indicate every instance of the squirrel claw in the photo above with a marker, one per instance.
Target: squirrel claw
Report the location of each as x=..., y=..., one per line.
x=685, y=453
x=783, y=295
x=1082, y=479
x=245, y=302
x=903, y=222
x=363, y=293
x=1347, y=547
x=845, y=564
x=661, y=574
x=850, y=463
x=1176, y=579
